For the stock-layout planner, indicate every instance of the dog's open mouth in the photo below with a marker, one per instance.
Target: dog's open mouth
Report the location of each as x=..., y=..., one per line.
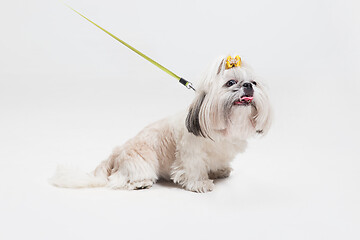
x=244, y=100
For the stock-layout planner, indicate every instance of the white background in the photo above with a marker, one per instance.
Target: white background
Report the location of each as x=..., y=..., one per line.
x=69, y=93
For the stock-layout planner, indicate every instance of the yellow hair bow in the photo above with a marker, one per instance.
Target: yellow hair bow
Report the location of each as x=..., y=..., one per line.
x=233, y=62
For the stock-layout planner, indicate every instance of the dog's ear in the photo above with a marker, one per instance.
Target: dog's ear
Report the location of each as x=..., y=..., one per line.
x=262, y=114
x=221, y=66
x=263, y=121
x=193, y=118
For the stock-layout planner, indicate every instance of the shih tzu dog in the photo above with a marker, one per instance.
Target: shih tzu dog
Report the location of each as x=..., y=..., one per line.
x=191, y=148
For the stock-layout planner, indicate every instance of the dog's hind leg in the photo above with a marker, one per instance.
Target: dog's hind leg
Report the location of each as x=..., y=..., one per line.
x=133, y=169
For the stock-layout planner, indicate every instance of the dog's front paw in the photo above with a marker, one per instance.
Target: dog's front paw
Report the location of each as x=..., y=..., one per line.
x=220, y=173
x=201, y=186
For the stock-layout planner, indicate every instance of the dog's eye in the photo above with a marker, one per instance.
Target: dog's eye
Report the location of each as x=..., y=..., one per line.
x=253, y=82
x=230, y=83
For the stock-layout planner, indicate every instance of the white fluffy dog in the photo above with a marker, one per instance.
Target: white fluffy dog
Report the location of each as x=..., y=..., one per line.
x=192, y=148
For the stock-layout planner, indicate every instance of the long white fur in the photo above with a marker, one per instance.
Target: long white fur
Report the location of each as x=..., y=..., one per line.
x=168, y=149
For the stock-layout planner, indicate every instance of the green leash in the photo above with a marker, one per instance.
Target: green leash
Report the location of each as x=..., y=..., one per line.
x=180, y=79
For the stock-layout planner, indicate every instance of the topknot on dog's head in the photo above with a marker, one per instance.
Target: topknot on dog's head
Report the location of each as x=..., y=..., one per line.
x=223, y=64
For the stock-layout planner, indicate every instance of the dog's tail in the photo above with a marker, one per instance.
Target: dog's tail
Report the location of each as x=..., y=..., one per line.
x=69, y=177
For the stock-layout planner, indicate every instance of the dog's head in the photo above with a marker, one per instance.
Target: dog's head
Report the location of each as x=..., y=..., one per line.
x=229, y=98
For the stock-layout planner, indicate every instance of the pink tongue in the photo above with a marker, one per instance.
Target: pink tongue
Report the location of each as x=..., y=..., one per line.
x=247, y=99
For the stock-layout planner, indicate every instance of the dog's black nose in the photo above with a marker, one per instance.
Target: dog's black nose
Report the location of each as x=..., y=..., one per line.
x=247, y=85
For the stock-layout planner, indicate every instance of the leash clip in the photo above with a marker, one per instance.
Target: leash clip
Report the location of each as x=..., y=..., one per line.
x=187, y=84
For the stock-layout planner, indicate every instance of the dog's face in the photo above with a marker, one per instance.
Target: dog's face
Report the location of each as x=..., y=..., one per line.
x=231, y=99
